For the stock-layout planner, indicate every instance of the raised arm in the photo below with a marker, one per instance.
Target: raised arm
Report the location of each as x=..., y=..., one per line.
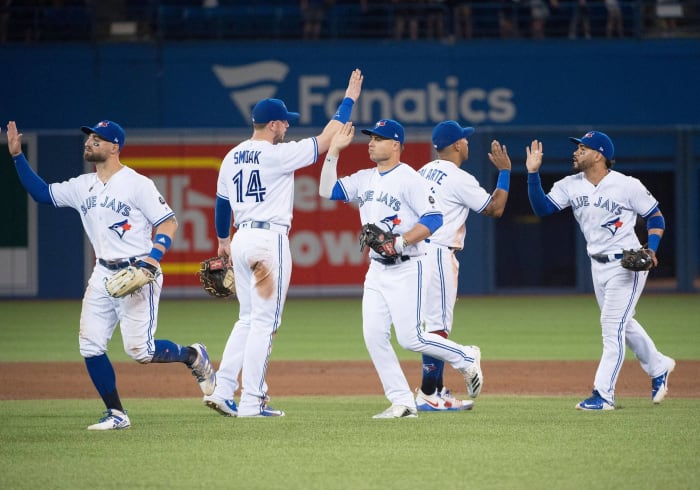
x=33, y=184
x=539, y=202
x=342, y=115
x=499, y=157
x=329, y=171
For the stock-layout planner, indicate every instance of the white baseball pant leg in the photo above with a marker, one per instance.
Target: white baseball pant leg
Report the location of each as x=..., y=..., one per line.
x=442, y=270
x=137, y=315
x=617, y=291
x=264, y=262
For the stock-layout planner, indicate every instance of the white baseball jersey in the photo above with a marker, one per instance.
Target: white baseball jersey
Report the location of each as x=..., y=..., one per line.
x=458, y=192
x=257, y=178
x=607, y=212
x=118, y=216
x=607, y=215
x=393, y=293
x=395, y=200
x=264, y=192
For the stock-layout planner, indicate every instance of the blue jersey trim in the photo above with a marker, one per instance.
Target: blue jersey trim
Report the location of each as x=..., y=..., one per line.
x=432, y=221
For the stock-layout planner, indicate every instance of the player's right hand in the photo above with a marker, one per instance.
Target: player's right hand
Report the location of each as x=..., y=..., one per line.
x=499, y=156
x=534, y=156
x=342, y=139
x=355, y=84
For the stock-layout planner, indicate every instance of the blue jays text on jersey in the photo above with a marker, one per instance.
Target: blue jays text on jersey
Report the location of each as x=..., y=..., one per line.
x=109, y=203
x=603, y=203
x=390, y=201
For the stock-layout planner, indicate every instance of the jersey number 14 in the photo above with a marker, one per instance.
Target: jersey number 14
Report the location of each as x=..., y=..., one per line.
x=253, y=188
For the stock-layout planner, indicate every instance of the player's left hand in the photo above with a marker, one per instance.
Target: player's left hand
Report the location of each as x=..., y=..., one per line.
x=385, y=243
x=499, y=156
x=14, y=139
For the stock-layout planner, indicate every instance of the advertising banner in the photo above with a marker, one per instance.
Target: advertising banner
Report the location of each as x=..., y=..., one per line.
x=324, y=235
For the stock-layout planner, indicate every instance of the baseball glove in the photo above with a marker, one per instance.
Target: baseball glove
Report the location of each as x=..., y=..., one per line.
x=382, y=242
x=131, y=279
x=216, y=276
x=637, y=260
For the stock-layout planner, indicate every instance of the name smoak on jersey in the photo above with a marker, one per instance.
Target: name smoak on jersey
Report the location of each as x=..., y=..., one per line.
x=109, y=203
x=603, y=203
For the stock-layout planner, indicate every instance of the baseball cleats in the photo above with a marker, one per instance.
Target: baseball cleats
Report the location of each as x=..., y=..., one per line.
x=227, y=408
x=113, y=420
x=659, y=385
x=440, y=401
x=265, y=410
x=202, y=370
x=473, y=375
x=595, y=402
x=397, y=412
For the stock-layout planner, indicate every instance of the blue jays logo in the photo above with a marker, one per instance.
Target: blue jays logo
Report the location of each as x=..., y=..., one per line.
x=613, y=225
x=121, y=228
x=391, y=221
x=429, y=368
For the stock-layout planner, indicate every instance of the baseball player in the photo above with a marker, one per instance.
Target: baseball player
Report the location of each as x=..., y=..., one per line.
x=256, y=182
x=458, y=192
x=397, y=199
x=605, y=204
x=120, y=210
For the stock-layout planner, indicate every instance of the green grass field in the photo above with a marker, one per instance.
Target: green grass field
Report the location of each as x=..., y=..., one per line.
x=331, y=442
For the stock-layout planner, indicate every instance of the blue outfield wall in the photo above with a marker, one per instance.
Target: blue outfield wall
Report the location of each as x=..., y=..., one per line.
x=212, y=85
x=501, y=87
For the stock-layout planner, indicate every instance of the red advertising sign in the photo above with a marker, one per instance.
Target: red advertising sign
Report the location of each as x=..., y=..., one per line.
x=324, y=234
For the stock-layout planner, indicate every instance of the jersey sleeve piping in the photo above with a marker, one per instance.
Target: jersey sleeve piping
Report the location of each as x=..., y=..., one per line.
x=488, y=201
x=651, y=211
x=164, y=218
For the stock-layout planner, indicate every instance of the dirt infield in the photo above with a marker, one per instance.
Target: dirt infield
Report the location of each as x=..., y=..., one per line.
x=36, y=380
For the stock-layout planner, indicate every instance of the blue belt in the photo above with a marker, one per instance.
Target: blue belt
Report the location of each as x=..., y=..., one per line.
x=394, y=261
x=115, y=265
x=605, y=258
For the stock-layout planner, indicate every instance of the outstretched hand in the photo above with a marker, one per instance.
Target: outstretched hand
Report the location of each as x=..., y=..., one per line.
x=14, y=139
x=342, y=139
x=499, y=156
x=355, y=84
x=534, y=156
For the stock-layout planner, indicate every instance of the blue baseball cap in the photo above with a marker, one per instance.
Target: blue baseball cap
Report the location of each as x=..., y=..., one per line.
x=387, y=129
x=272, y=110
x=447, y=132
x=108, y=131
x=597, y=141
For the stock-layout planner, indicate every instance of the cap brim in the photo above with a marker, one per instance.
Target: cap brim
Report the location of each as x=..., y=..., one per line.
x=87, y=129
x=468, y=131
x=292, y=116
x=575, y=140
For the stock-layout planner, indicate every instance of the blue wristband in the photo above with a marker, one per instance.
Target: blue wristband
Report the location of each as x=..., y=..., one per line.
x=156, y=253
x=503, y=180
x=654, y=241
x=656, y=222
x=163, y=240
x=344, y=110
